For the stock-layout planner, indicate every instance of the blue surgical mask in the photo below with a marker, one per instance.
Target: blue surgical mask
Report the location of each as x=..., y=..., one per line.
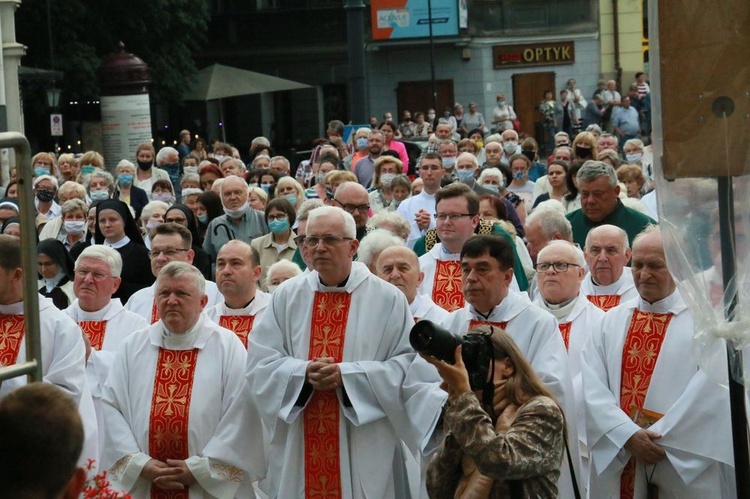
x=501, y=103
x=449, y=162
x=125, y=179
x=633, y=158
x=361, y=143
x=492, y=187
x=40, y=170
x=279, y=226
x=99, y=195
x=292, y=198
x=203, y=219
x=265, y=187
x=465, y=176
x=87, y=170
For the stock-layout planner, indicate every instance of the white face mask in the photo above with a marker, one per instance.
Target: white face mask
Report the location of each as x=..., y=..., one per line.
x=162, y=196
x=235, y=213
x=190, y=169
x=75, y=226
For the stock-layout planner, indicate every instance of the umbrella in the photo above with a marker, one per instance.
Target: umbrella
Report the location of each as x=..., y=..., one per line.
x=220, y=82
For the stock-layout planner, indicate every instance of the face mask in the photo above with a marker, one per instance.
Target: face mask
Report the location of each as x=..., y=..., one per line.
x=633, y=158
x=529, y=154
x=87, y=170
x=203, y=219
x=171, y=166
x=509, y=148
x=465, y=176
x=74, y=227
x=583, y=152
x=492, y=187
x=501, y=103
x=292, y=198
x=144, y=165
x=125, y=179
x=278, y=226
x=190, y=169
x=99, y=195
x=152, y=224
x=519, y=175
x=479, y=143
x=265, y=187
x=320, y=178
x=361, y=143
x=449, y=163
x=162, y=196
x=220, y=157
x=40, y=170
x=235, y=214
x=44, y=195
x=430, y=117
x=386, y=179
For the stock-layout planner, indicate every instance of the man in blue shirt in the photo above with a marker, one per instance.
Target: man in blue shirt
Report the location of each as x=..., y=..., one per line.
x=625, y=122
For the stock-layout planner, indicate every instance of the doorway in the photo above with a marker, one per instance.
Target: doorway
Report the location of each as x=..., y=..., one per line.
x=528, y=91
x=417, y=96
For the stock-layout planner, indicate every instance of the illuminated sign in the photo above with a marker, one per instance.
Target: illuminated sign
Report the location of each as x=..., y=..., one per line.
x=534, y=54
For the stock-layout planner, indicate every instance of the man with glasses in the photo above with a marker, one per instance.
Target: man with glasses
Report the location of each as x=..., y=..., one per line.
x=419, y=210
x=354, y=199
x=457, y=216
x=486, y=275
x=103, y=319
x=325, y=367
x=560, y=271
x=170, y=242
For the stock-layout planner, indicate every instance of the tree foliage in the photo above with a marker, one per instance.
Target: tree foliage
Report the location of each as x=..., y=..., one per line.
x=164, y=33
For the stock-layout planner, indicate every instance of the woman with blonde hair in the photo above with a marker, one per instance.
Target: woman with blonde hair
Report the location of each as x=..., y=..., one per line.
x=386, y=169
x=584, y=146
x=43, y=163
x=510, y=447
x=67, y=165
x=88, y=162
x=288, y=188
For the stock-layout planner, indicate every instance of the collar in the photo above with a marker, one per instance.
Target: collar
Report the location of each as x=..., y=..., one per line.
x=671, y=304
x=119, y=244
x=610, y=289
x=414, y=305
x=184, y=341
x=562, y=310
x=99, y=315
x=503, y=311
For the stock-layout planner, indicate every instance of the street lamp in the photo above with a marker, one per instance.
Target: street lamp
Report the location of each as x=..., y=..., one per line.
x=53, y=97
x=55, y=119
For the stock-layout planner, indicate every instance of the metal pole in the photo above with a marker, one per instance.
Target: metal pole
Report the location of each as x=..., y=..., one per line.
x=432, y=61
x=356, y=47
x=28, y=259
x=734, y=357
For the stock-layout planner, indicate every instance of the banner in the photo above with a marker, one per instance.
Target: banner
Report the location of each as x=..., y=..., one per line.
x=399, y=19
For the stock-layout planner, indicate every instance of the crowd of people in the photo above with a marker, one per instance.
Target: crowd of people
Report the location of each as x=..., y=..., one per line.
x=232, y=329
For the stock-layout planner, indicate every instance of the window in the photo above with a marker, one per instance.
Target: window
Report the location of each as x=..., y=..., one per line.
x=505, y=17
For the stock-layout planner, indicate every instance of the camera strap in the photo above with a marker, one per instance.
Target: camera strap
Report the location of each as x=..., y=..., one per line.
x=572, y=471
x=488, y=393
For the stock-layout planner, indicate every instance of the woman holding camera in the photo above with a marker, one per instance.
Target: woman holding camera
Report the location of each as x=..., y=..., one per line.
x=512, y=449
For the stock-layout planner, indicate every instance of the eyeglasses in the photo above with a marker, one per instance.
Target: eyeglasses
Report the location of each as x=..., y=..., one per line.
x=166, y=252
x=274, y=218
x=452, y=217
x=181, y=221
x=558, y=266
x=96, y=276
x=328, y=241
x=351, y=208
x=299, y=240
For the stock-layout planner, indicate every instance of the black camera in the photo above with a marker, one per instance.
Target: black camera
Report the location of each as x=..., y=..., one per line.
x=431, y=339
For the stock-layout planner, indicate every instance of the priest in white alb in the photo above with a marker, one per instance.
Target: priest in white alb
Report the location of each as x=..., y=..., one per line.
x=418, y=210
x=400, y=266
x=167, y=396
x=657, y=426
x=325, y=367
x=487, y=267
x=609, y=281
x=102, y=318
x=560, y=271
x=170, y=242
x=238, y=271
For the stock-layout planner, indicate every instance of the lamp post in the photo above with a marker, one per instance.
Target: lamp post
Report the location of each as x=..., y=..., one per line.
x=55, y=118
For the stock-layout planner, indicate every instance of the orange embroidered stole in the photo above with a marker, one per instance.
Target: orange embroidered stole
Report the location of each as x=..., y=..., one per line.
x=170, y=411
x=639, y=355
x=476, y=323
x=240, y=324
x=154, y=313
x=11, y=337
x=604, y=302
x=447, y=292
x=565, y=330
x=95, y=331
x=321, y=416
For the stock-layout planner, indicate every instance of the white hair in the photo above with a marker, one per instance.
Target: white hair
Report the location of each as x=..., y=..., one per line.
x=287, y=165
x=374, y=243
x=551, y=204
x=621, y=234
x=105, y=254
x=177, y=269
x=491, y=172
x=190, y=191
x=149, y=209
x=580, y=260
x=45, y=177
x=350, y=227
x=237, y=161
x=163, y=153
x=551, y=222
x=125, y=162
x=395, y=220
x=470, y=156
x=260, y=141
x=190, y=177
x=223, y=181
x=304, y=211
x=283, y=265
x=495, y=137
x=101, y=174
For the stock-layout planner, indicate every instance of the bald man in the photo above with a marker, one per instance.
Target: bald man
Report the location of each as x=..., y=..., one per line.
x=400, y=266
x=354, y=199
x=607, y=253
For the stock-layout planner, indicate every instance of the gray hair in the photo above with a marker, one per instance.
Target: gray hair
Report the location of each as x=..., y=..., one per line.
x=634, y=142
x=287, y=165
x=97, y=173
x=650, y=229
x=190, y=191
x=45, y=177
x=149, y=209
x=73, y=205
x=375, y=242
x=465, y=155
x=72, y=188
x=400, y=226
x=223, y=181
x=580, y=260
x=491, y=172
x=304, y=211
x=190, y=177
x=350, y=228
x=562, y=134
x=551, y=222
x=260, y=141
x=495, y=137
x=560, y=148
x=592, y=170
x=105, y=254
x=177, y=269
x=238, y=162
x=620, y=234
x=552, y=204
x=283, y=265
x=163, y=153
x=125, y=162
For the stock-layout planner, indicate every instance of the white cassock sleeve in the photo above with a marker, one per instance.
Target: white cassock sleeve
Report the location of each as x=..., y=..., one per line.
x=67, y=362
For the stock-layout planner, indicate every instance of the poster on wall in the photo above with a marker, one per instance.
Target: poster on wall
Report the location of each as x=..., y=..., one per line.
x=399, y=19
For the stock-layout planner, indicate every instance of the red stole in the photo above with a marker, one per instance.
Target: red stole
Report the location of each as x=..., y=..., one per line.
x=476, y=323
x=154, y=313
x=170, y=410
x=639, y=355
x=11, y=337
x=95, y=331
x=240, y=324
x=604, y=302
x=321, y=416
x=565, y=330
x=447, y=291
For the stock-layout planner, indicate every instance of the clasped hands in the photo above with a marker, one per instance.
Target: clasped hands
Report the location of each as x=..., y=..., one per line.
x=641, y=445
x=170, y=475
x=323, y=374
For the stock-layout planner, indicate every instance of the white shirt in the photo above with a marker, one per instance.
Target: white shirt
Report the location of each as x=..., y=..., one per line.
x=409, y=208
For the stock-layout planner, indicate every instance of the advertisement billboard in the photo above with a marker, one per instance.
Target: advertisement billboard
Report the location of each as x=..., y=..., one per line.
x=399, y=19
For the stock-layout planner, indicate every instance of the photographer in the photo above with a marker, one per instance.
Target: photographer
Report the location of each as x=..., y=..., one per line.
x=513, y=448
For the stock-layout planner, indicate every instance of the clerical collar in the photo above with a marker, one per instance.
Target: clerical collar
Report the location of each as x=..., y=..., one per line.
x=243, y=308
x=97, y=315
x=340, y=285
x=665, y=305
x=609, y=289
x=181, y=341
x=447, y=254
x=560, y=310
x=119, y=244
